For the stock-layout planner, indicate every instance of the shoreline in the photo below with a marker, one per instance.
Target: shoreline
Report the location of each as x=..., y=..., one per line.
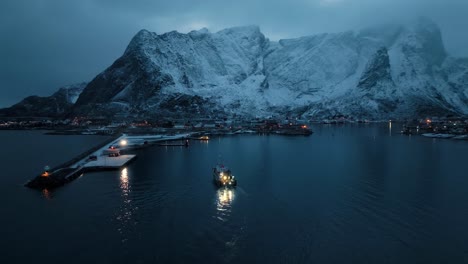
x=124, y=140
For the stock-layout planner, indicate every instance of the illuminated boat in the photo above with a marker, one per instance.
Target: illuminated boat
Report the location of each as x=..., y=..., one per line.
x=223, y=177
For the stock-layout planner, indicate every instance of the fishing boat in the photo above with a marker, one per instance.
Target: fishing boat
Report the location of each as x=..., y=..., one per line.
x=223, y=177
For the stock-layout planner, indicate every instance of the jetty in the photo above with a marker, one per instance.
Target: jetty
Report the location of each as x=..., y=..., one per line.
x=109, y=155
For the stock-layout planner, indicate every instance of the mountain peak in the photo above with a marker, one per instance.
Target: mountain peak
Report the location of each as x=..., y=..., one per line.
x=420, y=36
x=424, y=36
x=203, y=30
x=243, y=30
x=425, y=23
x=199, y=34
x=141, y=37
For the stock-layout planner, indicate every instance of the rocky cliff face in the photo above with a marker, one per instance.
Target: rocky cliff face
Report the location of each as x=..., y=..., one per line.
x=196, y=65
x=378, y=73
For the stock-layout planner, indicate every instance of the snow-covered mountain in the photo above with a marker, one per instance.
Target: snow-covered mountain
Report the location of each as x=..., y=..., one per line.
x=382, y=72
x=218, y=71
x=396, y=71
x=58, y=104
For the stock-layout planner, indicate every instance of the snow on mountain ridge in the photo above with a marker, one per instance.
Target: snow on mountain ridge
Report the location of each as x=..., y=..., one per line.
x=55, y=105
x=240, y=71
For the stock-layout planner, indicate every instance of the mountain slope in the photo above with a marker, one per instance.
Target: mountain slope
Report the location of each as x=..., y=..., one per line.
x=398, y=71
x=58, y=104
x=393, y=71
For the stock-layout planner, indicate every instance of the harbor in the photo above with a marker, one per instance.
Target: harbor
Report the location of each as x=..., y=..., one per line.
x=440, y=129
x=113, y=154
x=109, y=155
x=167, y=189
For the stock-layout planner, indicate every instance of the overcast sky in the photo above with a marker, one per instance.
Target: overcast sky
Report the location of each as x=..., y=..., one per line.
x=45, y=44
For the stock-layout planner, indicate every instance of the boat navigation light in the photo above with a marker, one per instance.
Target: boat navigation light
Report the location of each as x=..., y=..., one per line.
x=123, y=142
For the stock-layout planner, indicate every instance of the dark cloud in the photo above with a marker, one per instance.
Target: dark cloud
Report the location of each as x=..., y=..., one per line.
x=49, y=43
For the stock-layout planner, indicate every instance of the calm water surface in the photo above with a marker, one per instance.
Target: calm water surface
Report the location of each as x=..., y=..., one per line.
x=346, y=194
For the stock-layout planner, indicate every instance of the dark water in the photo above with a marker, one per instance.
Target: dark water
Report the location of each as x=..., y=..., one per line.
x=344, y=195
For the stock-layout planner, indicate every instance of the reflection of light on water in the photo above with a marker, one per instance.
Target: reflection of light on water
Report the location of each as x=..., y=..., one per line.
x=46, y=194
x=225, y=196
x=224, y=200
x=125, y=213
x=390, y=128
x=231, y=233
x=124, y=180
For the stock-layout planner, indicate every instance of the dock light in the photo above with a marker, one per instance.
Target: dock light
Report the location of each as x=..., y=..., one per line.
x=123, y=142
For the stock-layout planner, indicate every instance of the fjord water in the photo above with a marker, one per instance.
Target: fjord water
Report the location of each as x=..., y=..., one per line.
x=346, y=194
